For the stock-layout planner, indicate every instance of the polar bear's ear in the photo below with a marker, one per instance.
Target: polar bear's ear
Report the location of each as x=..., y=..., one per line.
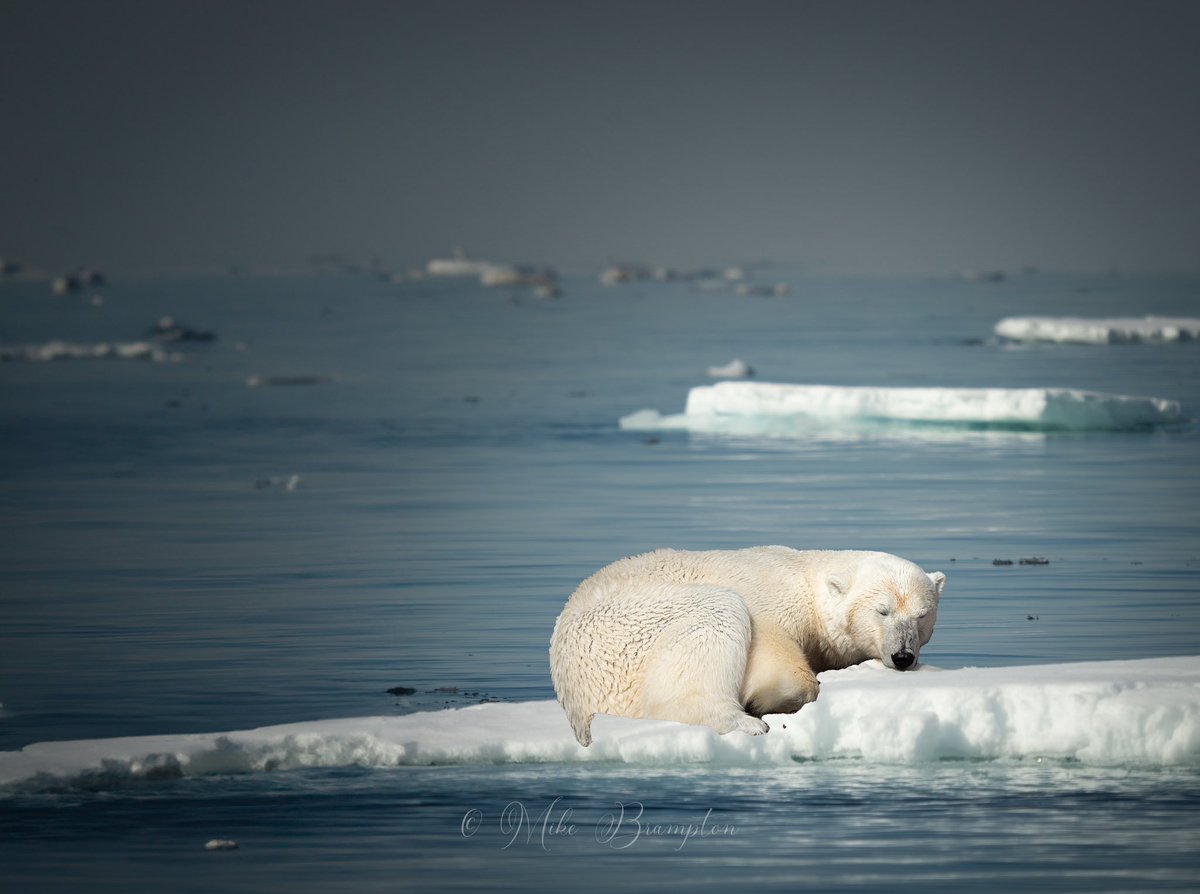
x=838, y=584
x=939, y=581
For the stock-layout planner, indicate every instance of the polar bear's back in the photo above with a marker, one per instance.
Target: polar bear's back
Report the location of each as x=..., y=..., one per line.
x=636, y=578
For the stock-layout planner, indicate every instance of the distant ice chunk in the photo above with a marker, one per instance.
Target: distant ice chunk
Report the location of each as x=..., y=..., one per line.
x=221, y=844
x=290, y=483
x=63, y=350
x=286, y=381
x=1143, y=712
x=1099, y=330
x=496, y=275
x=748, y=407
x=734, y=369
x=623, y=273
x=168, y=329
x=459, y=265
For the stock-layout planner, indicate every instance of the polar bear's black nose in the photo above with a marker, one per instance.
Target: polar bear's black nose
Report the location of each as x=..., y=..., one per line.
x=903, y=660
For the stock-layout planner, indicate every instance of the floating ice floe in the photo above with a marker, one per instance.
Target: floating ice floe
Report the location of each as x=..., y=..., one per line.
x=290, y=483
x=734, y=369
x=274, y=381
x=1099, y=331
x=459, y=265
x=74, y=282
x=1143, y=712
x=168, y=329
x=518, y=275
x=778, y=290
x=763, y=407
x=63, y=350
x=622, y=273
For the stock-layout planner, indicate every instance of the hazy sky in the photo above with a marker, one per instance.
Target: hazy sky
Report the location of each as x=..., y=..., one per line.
x=863, y=136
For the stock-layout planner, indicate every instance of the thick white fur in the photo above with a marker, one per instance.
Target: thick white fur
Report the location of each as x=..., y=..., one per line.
x=722, y=637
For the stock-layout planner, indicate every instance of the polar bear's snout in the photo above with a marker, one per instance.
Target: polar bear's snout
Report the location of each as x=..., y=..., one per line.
x=900, y=644
x=903, y=659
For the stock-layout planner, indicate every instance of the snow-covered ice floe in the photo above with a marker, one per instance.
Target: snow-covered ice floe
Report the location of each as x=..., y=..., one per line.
x=64, y=350
x=1100, y=331
x=1143, y=712
x=764, y=407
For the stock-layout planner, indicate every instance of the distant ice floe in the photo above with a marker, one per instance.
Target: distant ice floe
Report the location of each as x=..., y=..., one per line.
x=168, y=329
x=764, y=408
x=543, y=280
x=459, y=265
x=1103, y=713
x=734, y=369
x=63, y=350
x=1099, y=331
x=500, y=275
x=285, y=381
x=290, y=483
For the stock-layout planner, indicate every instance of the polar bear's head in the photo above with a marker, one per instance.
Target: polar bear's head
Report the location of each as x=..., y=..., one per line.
x=891, y=606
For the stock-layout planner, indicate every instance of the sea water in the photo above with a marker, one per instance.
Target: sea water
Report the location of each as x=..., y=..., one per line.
x=421, y=477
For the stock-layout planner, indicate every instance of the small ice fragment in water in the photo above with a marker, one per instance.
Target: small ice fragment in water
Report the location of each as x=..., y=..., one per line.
x=288, y=483
x=264, y=381
x=221, y=844
x=734, y=369
x=168, y=329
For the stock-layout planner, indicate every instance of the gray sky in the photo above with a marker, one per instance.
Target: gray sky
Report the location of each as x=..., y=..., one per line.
x=853, y=136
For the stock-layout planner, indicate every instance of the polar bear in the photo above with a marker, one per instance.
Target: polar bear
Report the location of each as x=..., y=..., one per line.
x=722, y=637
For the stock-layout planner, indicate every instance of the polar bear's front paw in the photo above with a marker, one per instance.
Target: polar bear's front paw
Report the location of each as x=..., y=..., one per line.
x=752, y=726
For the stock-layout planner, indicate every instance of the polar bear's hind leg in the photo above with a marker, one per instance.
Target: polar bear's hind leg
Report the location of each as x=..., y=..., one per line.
x=697, y=663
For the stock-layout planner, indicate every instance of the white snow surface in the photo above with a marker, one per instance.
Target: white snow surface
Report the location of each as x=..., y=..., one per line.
x=746, y=407
x=1100, y=330
x=1142, y=712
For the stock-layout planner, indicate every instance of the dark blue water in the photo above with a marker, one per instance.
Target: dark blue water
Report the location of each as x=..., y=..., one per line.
x=460, y=470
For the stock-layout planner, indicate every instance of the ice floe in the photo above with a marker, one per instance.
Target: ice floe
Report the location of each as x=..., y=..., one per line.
x=64, y=350
x=458, y=265
x=764, y=407
x=285, y=381
x=1141, y=712
x=1099, y=331
x=734, y=369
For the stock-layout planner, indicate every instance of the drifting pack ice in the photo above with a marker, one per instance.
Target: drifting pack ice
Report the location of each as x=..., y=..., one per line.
x=1099, y=331
x=764, y=407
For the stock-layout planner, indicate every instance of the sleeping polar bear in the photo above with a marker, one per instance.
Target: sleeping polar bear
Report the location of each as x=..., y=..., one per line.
x=721, y=638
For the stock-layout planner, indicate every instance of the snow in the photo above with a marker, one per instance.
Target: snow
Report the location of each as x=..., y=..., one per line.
x=744, y=407
x=1108, y=713
x=1100, y=331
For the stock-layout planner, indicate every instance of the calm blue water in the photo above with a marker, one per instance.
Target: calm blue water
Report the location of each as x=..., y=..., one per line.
x=460, y=472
